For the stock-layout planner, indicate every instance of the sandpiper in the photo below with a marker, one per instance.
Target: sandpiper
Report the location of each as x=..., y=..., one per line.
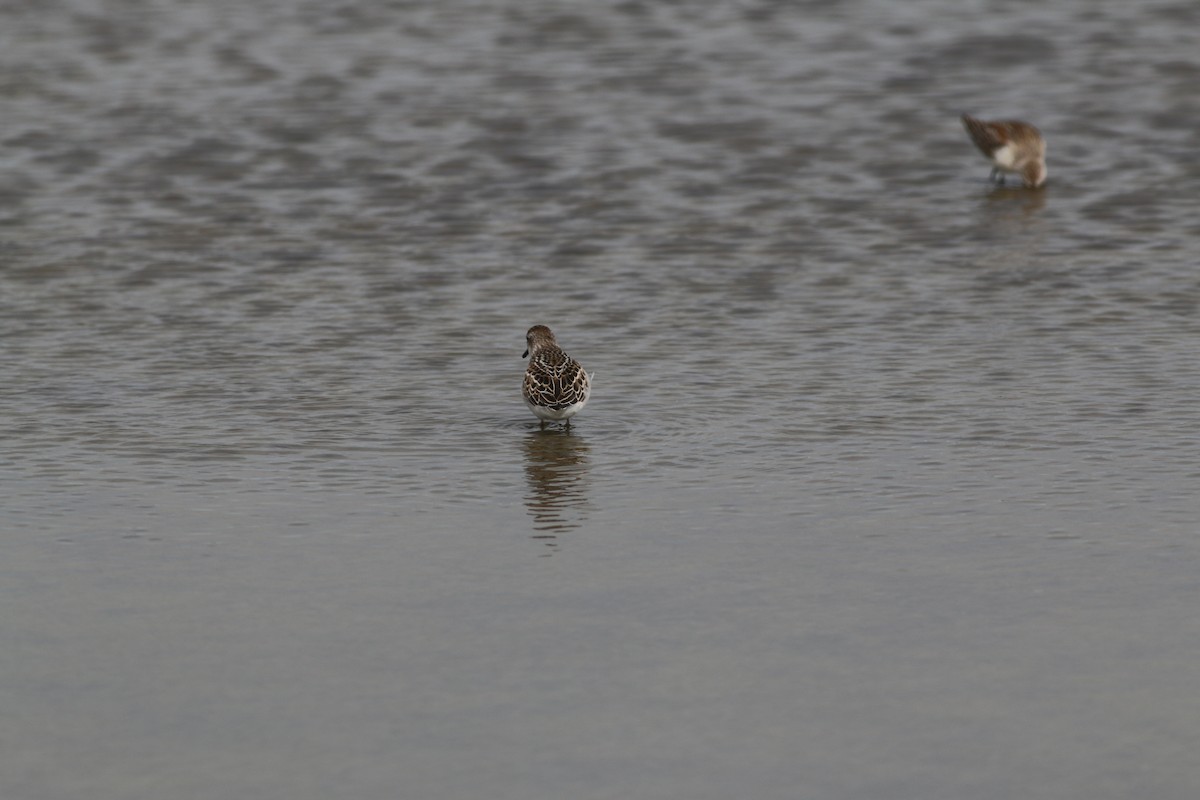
x=1011, y=146
x=556, y=387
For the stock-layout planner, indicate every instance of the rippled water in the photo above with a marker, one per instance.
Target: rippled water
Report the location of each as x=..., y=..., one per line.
x=888, y=483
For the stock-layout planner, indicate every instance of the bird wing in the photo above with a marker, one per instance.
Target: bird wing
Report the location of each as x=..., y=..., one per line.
x=555, y=380
x=987, y=136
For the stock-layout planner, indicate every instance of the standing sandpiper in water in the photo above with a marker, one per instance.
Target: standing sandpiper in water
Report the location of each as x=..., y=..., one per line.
x=556, y=387
x=1011, y=146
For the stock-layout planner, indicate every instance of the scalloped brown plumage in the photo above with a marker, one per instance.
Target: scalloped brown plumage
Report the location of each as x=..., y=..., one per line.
x=556, y=387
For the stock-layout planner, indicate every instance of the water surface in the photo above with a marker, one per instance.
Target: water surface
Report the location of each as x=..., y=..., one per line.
x=887, y=487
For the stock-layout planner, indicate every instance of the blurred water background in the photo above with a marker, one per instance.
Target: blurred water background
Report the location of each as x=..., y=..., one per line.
x=888, y=485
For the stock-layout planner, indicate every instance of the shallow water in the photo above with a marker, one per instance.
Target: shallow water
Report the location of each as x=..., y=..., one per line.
x=888, y=483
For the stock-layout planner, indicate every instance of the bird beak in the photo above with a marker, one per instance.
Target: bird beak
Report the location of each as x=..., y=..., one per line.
x=525, y=354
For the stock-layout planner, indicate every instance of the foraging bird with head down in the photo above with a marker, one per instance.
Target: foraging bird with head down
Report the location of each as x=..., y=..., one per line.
x=1011, y=146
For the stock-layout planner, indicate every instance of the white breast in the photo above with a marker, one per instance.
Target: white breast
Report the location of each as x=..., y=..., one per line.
x=1005, y=157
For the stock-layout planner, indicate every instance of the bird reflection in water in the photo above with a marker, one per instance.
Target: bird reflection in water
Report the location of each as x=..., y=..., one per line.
x=556, y=467
x=1013, y=201
x=1012, y=215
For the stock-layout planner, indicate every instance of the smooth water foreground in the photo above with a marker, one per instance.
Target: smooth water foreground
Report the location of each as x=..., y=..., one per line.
x=888, y=484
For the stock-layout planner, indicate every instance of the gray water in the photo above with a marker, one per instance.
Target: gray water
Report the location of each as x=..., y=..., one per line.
x=887, y=488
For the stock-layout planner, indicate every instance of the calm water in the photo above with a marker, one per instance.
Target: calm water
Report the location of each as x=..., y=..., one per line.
x=888, y=487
